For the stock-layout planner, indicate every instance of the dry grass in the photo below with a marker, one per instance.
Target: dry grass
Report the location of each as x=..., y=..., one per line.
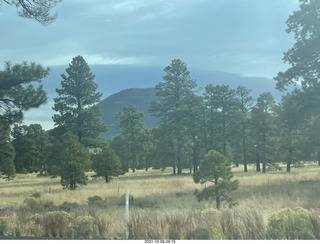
x=162, y=206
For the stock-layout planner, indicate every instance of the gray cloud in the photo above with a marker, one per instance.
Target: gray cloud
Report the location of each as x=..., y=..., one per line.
x=240, y=36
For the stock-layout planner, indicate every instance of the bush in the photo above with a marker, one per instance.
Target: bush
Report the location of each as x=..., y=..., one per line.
x=83, y=227
x=68, y=206
x=287, y=224
x=95, y=200
x=217, y=233
x=57, y=224
x=38, y=204
x=36, y=194
x=4, y=224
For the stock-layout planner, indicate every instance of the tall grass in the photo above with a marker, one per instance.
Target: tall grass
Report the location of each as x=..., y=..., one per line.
x=162, y=206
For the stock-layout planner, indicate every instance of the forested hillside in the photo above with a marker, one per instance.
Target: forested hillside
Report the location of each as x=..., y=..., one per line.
x=139, y=97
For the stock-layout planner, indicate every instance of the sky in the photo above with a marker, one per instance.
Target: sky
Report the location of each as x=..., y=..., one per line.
x=246, y=37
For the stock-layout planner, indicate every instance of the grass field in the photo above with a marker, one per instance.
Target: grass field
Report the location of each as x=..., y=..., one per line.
x=162, y=206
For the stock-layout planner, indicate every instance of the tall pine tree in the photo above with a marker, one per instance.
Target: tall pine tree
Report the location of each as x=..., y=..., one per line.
x=77, y=103
x=173, y=96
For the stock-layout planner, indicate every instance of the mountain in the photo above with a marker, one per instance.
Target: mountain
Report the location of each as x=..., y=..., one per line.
x=116, y=81
x=115, y=78
x=140, y=97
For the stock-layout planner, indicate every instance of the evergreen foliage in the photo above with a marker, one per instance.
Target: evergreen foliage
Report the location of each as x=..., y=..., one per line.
x=171, y=108
x=215, y=168
x=69, y=159
x=134, y=133
x=30, y=144
x=38, y=10
x=77, y=103
x=17, y=92
x=106, y=164
x=6, y=152
x=303, y=57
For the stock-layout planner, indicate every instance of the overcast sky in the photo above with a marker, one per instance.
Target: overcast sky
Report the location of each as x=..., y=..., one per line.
x=240, y=36
x=246, y=37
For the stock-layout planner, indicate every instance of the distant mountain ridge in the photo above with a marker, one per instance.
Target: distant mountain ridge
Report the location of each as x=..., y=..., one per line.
x=115, y=78
x=140, y=97
x=123, y=85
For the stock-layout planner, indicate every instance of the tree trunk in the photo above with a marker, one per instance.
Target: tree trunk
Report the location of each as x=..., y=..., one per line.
x=146, y=163
x=258, y=162
x=244, y=144
x=318, y=158
x=224, y=144
x=218, y=202
x=264, y=152
x=134, y=163
x=289, y=162
x=107, y=179
x=217, y=193
x=179, y=163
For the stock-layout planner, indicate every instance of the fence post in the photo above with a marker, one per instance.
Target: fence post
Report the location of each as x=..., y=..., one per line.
x=127, y=213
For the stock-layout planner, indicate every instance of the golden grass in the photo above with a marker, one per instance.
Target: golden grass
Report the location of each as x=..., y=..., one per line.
x=160, y=194
x=155, y=184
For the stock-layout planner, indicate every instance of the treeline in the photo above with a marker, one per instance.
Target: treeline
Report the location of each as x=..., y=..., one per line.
x=193, y=121
x=69, y=150
x=257, y=132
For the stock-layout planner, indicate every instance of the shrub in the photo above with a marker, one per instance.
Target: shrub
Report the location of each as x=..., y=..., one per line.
x=34, y=225
x=4, y=224
x=216, y=233
x=95, y=200
x=68, y=206
x=83, y=227
x=36, y=194
x=287, y=224
x=39, y=204
x=57, y=224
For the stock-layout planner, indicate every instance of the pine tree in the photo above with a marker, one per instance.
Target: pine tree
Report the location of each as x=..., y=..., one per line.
x=6, y=152
x=38, y=10
x=106, y=164
x=77, y=103
x=223, y=112
x=173, y=95
x=245, y=103
x=262, y=127
x=134, y=132
x=30, y=144
x=69, y=159
x=17, y=92
x=215, y=168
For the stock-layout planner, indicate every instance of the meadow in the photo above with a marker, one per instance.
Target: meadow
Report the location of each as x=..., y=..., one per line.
x=162, y=206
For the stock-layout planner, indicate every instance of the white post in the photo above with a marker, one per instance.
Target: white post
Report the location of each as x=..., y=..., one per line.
x=127, y=214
